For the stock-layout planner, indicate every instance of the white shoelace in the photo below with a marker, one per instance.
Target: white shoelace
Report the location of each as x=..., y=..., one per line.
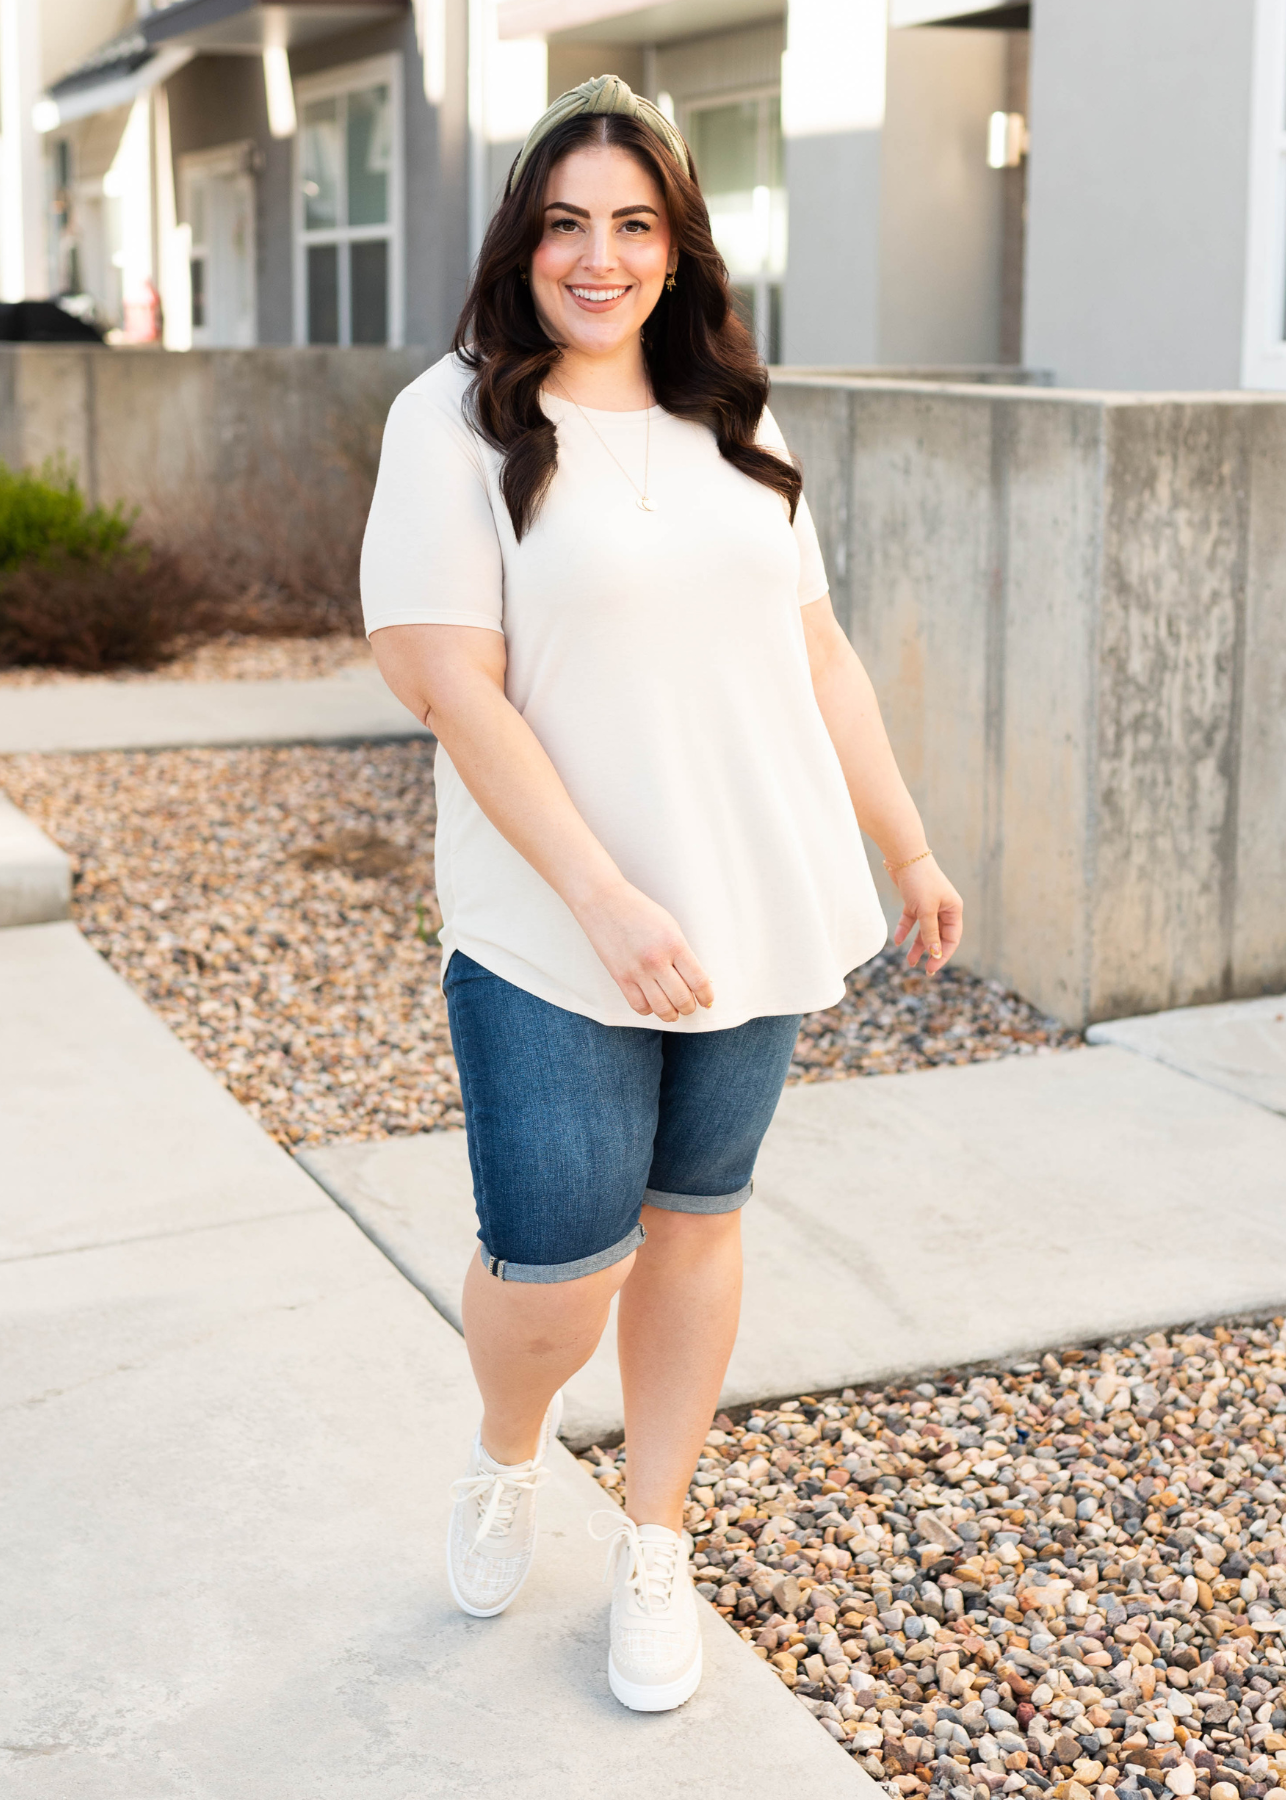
x=503, y=1492
x=652, y=1582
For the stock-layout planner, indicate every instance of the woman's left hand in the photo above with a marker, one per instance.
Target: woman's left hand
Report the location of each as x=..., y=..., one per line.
x=929, y=901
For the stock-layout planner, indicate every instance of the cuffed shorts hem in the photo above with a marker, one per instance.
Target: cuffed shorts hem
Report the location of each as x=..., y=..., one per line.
x=699, y=1203
x=568, y=1271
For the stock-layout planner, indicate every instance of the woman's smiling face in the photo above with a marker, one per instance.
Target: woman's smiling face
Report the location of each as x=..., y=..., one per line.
x=604, y=253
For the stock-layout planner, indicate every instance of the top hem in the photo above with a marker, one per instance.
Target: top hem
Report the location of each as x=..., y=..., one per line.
x=417, y=615
x=484, y=956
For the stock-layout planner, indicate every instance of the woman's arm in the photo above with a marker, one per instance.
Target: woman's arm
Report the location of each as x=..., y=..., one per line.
x=453, y=678
x=884, y=808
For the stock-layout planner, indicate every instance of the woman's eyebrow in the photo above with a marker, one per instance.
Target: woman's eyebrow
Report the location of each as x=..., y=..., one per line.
x=581, y=212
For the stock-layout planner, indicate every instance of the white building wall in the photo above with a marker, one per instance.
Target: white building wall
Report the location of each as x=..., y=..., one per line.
x=896, y=223
x=24, y=270
x=833, y=75
x=1138, y=196
x=941, y=207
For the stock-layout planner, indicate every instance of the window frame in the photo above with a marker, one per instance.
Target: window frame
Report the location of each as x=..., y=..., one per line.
x=347, y=78
x=762, y=284
x=1264, y=330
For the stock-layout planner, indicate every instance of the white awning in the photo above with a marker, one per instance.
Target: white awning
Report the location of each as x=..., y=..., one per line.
x=81, y=102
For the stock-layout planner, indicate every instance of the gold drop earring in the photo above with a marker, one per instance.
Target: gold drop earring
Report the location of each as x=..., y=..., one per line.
x=671, y=283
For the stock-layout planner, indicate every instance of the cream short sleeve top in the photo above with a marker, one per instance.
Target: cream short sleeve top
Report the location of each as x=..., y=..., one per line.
x=659, y=657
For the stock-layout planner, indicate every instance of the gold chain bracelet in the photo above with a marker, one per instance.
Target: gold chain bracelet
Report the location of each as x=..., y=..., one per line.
x=893, y=868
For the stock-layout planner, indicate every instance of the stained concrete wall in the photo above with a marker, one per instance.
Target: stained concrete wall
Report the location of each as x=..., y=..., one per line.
x=1139, y=191
x=1071, y=605
x=165, y=431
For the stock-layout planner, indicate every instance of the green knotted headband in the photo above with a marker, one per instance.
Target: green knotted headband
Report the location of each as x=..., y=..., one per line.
x=603, y=94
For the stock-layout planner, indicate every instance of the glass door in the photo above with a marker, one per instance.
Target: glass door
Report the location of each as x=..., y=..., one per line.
x=738, y=151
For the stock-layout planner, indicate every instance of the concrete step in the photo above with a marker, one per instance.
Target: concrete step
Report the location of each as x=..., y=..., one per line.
x=1239, y=1046
x=351, y=707
x=35, y=875
x=905, y=1222
x=230, y=1430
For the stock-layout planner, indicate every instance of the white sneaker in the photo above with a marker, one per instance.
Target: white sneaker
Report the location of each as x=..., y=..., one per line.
x=655, y=1660
x=492, y=1533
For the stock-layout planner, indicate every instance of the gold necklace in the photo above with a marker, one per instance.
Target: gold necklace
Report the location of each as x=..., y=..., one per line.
x=645, y=502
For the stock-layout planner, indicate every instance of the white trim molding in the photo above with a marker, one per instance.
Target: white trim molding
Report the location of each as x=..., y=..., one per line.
x=1263, y=357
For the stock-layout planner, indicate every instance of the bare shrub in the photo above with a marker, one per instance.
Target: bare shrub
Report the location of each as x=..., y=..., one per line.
x=269, y=546
x=276, y=552
x=94, y=614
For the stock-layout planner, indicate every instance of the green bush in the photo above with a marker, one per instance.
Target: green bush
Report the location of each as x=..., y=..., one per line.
x=43, y=514
x=77, y=589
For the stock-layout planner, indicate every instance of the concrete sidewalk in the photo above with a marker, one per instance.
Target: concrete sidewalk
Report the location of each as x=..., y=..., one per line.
x=230, y=1426
x=351, y=707
x=918, y=1221
x=1239, y=1046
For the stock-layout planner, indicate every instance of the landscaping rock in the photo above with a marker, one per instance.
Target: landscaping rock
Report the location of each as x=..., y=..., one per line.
x=1067, y=1643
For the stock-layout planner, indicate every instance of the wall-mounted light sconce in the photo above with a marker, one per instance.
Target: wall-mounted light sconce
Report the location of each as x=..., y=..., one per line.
x=1007, y=140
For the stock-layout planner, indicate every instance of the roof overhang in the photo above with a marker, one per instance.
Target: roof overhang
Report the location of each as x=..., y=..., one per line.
x=76, y=98
x=247, y=27
x=626, y=22
x=998, y=15
x=160, y=43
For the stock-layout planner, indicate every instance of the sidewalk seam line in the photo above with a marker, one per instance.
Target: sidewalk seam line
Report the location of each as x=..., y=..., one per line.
x=154, y=1237
x=438, y=1302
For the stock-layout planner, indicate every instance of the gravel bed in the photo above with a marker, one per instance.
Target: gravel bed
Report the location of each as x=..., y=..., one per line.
x=276, y=907
x=231, y=658
x=892, y=1019
x=1062, y=1576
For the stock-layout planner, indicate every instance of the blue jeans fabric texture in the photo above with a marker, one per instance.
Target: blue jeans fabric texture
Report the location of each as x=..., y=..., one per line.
x=574, y=1126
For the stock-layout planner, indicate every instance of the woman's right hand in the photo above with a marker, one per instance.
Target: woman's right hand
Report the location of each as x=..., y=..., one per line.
x=645, y=953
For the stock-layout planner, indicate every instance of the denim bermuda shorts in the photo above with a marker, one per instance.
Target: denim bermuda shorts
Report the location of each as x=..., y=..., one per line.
x=574, y=1126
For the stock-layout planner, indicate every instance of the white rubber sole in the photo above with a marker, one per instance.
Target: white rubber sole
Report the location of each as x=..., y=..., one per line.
x=553, y=1419
x=647, y=1696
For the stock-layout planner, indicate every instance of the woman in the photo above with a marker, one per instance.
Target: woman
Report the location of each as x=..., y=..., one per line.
x=590, y=570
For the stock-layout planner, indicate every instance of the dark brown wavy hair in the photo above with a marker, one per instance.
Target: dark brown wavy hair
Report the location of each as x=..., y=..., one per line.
x=702, y=362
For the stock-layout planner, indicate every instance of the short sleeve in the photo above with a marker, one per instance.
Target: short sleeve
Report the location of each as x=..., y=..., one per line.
x=431, y=554
x=813, y=583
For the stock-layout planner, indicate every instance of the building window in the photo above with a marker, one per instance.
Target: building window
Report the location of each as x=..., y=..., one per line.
x=348, y=208
x=738, y=151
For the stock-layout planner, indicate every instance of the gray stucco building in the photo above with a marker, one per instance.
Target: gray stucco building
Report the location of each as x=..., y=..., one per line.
x=1092, y=187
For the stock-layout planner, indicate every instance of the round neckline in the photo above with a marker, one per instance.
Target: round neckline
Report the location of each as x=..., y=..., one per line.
x=600, y=412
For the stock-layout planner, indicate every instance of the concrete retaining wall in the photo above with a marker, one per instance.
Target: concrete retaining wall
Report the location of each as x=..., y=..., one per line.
x=1073, y=605
x=158, y=430
x=1074, y=609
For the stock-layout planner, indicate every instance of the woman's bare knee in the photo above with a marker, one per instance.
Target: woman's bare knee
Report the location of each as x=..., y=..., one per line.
x=688, y=1234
